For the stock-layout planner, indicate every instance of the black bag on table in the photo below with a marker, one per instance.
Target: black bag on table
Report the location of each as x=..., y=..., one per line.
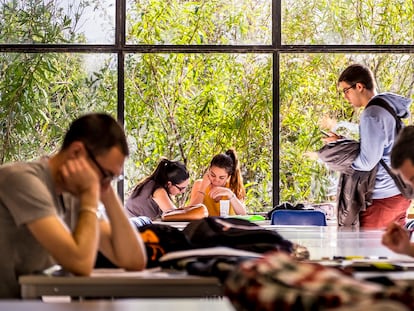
x=161, y=239
x=233, y=233
x=236, y=233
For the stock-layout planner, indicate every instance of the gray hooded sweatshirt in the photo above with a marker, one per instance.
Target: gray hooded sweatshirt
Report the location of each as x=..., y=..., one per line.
x=377, y=135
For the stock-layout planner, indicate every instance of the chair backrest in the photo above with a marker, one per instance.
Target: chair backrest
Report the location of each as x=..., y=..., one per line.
x=298, y=218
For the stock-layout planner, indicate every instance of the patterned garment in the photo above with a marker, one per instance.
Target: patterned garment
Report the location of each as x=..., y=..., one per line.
x=278, y=282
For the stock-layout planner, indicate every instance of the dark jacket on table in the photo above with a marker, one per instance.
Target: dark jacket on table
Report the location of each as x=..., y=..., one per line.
x=354, y=193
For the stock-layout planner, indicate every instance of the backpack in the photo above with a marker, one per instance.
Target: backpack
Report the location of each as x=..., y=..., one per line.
x=406, y=189
x=162, y=239
x=213, y=238
x=236, y=233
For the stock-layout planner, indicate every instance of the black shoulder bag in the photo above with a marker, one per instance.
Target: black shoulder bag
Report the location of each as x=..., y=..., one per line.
x=405, y=189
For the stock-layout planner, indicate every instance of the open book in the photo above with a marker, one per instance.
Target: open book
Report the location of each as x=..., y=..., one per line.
x=186, y=213
x=209, y=252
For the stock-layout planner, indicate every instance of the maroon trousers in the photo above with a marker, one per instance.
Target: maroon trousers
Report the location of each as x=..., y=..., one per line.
x=385, y=211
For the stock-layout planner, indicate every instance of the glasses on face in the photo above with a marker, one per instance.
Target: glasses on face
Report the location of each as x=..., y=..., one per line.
x=345, y=90
x=106, y=175
x=181, y=189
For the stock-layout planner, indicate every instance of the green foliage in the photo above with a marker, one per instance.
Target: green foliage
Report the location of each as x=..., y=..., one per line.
x=199, y=22
x=348, y=22
x=188, y=107
x=39, y=21
x=308, y=81
x=308, y=97
x=39, y=93
x=191, y=107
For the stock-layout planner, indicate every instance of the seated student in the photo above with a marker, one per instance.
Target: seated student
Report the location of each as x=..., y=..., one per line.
x=49, y=208
x=222, y=180
x=396, y=237
x=152, y=196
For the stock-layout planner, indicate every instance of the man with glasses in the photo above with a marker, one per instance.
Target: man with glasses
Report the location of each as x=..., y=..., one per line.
x=377, y=135
x=49, y=208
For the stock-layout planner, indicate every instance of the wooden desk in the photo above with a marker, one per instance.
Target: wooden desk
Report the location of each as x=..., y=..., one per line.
x=121, y=305
x=106, y=283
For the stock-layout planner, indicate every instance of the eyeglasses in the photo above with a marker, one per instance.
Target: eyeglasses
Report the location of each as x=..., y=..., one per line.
x=345, y=90
x=180, y=188
x=106, y=175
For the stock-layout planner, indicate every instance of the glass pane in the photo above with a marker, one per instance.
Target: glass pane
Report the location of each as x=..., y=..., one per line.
x=41, y=93
x=347, y=22
x=60, y=21
x=199, y=22
x=310, y=101
x=189, y=107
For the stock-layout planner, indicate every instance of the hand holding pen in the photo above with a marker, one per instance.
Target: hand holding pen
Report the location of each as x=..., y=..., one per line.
x=397, y=239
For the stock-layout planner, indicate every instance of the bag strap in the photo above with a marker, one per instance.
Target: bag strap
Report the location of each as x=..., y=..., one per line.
x=398, y=125
x=382, y=103
x=387, y=168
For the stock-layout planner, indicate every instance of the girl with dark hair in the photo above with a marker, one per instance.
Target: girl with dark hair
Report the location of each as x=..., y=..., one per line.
x=222, y=181
x=152, y=196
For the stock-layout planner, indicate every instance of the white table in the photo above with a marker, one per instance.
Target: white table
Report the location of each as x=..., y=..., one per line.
x=121, y=305
x=333, y=241
x=322, y=242
x=329, y=241
x=116, y=283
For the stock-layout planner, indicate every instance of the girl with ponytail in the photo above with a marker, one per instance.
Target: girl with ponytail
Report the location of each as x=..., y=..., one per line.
x=152, y=196
x=222, y=181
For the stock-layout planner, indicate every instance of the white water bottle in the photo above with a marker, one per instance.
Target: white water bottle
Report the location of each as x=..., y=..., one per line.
x=224, y=208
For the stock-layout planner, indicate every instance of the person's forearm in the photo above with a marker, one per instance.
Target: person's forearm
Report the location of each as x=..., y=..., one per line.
x=85, y=235
x=198, y=192
x=238, y=206
x=197, y=197
x=125, y=245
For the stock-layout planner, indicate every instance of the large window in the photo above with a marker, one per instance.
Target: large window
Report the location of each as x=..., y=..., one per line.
x=344, y=22
x=189, y=79
x=214, y=22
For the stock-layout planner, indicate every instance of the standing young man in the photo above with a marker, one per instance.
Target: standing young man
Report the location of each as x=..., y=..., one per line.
x=49, y=208
x=377, y=136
